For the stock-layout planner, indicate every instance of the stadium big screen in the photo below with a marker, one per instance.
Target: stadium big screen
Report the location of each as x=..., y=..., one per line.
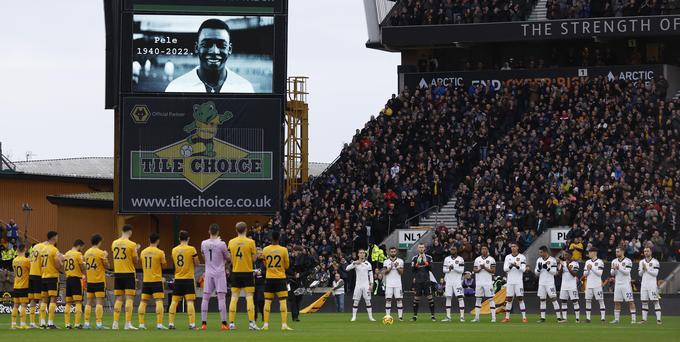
x=202, y=95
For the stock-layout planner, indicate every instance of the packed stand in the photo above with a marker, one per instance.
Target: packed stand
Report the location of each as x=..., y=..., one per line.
x=572, y=9
x=438, y=12
x=597, y=155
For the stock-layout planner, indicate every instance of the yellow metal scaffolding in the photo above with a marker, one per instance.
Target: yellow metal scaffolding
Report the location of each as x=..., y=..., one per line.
x=297, y=138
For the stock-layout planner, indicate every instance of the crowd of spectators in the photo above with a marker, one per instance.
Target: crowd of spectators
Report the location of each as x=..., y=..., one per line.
x=9, y=237
x=437, y=12
x=571, y=9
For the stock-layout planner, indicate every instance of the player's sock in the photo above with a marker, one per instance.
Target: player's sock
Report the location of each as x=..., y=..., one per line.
x=31, y=314
x=42, y=312
x=141, y=311
x=617, y=314
x=523, y=309
x=588, y=307
x=577, y=310
x=78, y=313
x=116, y=310
x=232, y=307
x=191, y=312
x=564, y=310
x=645, y=308
x=461, y=306
x=657, y=310
x=22, y=314
x=508, y=308
x=355, y=308
x=222, y=304
x=159, y=312
x=543, y=306
x=416, y=303
x=283, y=307
x=51, y=310
x=388, y=307
x=172, y=311
x=492, y=308
x=204, y=306
x=99, y=313
x=250, y=306
x=448, y=307
x=15, y=312
x=128, y=310
x=87, y=313
x=603, y=310
x=369, y=308
x=556, y=307
x=400, y=308
x=633, y=315
x=430, y=301
x=478, y=306
x=67, y=314
x=267, y=310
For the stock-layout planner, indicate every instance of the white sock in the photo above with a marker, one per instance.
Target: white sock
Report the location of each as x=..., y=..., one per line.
x=657, y=310
x=492, y=308
x=645, y=308
x=556, y=307
x=617, y=314
x=400, y=309
x=354, y=312
x=523, y=309
x=508, y=308
x=564, y=310
x=370, y=311
x=588, y=307
x=577, y=310
x=388, y=307
x=542, y=306
x=461, y=307
x=603, y=310
x=448, y=307
x=633, y=316
x=478, y=307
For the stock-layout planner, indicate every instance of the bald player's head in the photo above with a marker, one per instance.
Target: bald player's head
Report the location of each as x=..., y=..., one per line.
x=241, y=228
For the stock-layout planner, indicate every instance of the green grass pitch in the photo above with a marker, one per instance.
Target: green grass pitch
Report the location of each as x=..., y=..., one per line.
x=326, y=327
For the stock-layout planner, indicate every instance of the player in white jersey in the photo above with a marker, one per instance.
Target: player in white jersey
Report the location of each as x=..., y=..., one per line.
x=649, y=270
x=454, y=266
x=569, y=289
x=593, y=275
x=364, y=284
x=546, y=268
x=623, y=291
x=393, y=268
x=484, y=269
x=514, y=266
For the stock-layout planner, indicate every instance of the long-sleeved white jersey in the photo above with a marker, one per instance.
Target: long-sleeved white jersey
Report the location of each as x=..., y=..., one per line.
x=569, y=282
x=594, y=274
x=515, y=266
x=454, y=269
x=484, y=277
x=392, y=277
x=648, y=270
x=621, y=269
x=364, y=273
x=545, y=270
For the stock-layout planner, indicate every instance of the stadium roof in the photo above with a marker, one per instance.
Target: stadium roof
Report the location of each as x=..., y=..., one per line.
x=95, y=168
x=84, y=199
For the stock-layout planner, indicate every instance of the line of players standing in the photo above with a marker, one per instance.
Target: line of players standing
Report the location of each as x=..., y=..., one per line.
x=515, y=265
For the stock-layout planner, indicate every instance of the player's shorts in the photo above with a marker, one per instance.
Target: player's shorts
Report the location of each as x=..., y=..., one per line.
x=276, y=287
x=423, y=288
x=217, y=283
x=124, y=284
x=484, y=290
x=649, y=294
x=394, y=292
x=594, y=293
x=453, y=290
x=96, y=290
x=243, y=281
x=20, y=295
x=74, y=289
x=360, y=292
x=152, y=290
x=514, y=290
x=50, y=287
x=623, y=293
x=184, y=288
x=547, y=291
x=568, y=294
x=34, y=287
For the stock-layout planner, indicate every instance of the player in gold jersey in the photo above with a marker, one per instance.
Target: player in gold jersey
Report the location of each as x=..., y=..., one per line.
x=185, y=258
x=35, y=286
x=74, y=268
x=96, y=263
x=51, y=262
x=124, y=260
x=153, y=261
x=277, y=262
x=21, y=266
x=242, y=250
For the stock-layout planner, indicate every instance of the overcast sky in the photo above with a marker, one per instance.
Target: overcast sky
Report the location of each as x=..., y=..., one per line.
x=52, y=71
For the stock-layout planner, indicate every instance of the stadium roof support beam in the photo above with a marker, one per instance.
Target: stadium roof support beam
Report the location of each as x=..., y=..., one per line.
x=297, y=137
